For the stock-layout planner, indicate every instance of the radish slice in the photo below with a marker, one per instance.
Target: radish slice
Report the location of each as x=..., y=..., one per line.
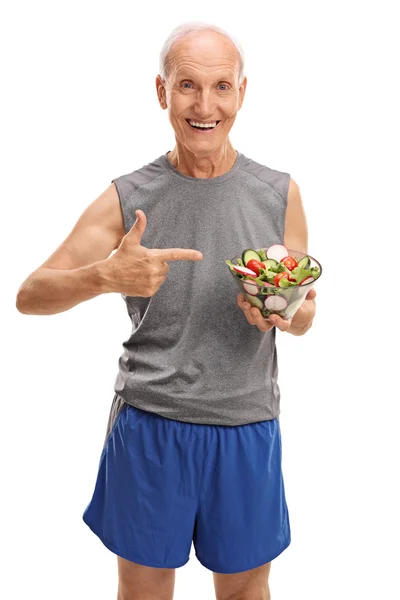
x=251, y=287
x=277, y=252
x=274, y=302
x=307, y=280
x=266, y=284
x=244, y=271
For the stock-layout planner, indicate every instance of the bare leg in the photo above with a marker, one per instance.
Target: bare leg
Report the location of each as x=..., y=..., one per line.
x=248, y=585
x=137, y=582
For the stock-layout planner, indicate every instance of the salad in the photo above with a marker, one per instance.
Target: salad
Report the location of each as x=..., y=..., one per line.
x=268, y=277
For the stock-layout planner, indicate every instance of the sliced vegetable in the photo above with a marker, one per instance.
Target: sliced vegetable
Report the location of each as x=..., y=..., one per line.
x=251, y=287
x=244, y=271
x=277, y=252
x=279, y=276
x=305, y=262
x=289, y=262
x=249, y=254
x=254, y=301
x=275, y=302
x=307, y=280
x=269, y=264
x=255, y=265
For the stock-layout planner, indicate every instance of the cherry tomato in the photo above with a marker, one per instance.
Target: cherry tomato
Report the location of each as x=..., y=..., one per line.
x=255, y=265
x=289, y=262
x=280, y=276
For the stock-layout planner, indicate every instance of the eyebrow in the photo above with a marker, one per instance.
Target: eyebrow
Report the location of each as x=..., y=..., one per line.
x=223, y=77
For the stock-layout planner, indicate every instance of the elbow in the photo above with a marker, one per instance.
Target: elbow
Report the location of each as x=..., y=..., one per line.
x=20, y=302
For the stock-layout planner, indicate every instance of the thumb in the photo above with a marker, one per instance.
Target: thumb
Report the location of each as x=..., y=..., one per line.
x=311, y=294
x=139, y=226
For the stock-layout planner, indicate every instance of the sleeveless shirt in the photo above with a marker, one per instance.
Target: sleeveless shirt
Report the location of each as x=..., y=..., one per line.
x=191, y=355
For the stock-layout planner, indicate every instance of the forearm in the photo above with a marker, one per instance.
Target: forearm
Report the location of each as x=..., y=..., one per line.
x=51, y=291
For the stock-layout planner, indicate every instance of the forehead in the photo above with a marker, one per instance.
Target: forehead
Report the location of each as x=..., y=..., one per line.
x=203, y=53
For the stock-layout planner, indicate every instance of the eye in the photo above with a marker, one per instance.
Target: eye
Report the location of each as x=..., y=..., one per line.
x=225, y=85
x=186, y=83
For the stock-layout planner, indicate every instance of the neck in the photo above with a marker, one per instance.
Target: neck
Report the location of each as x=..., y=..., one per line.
x=217, y=163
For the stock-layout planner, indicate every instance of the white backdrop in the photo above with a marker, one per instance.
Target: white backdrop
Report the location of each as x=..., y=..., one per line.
x=79, y=108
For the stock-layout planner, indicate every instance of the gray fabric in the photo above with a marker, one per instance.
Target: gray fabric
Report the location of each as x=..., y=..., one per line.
x=116, y=406
x=191, y=355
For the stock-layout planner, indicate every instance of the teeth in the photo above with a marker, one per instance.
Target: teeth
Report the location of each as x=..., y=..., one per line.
x=209, y=125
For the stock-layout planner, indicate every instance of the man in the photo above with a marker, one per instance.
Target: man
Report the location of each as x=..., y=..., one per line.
x=193, y=448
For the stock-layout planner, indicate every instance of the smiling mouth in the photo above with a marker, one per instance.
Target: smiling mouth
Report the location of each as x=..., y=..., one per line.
x=202, y=128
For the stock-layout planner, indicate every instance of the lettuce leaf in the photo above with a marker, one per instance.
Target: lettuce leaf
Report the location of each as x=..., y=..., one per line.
x=262, y=254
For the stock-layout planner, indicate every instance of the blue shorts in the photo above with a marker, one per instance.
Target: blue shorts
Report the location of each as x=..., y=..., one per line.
x=162, y=484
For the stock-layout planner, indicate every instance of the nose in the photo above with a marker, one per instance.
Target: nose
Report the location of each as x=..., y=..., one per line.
x=204, y=106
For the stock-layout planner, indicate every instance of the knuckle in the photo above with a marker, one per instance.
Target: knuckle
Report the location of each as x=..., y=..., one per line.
x=153, y=270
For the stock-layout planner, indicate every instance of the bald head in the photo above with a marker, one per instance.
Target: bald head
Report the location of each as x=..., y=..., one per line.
x=193, y=30
x=205, y=49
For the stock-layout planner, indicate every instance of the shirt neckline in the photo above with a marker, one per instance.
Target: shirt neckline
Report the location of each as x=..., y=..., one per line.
x=203, y=180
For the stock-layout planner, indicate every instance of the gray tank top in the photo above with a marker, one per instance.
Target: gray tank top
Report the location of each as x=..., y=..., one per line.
x=191, y=355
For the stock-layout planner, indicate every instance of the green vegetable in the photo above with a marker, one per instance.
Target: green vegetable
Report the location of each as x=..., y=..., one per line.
x=262, y=254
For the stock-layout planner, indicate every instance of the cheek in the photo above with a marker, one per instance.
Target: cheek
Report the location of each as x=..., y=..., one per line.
x=230, y=109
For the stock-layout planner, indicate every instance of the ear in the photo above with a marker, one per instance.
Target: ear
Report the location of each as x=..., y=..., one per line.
x=161, y=93
x=242, y=91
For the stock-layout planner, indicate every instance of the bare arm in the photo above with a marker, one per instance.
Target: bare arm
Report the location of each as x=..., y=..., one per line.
x=76, y=271
x=296, y=238
x=296, y=229
x=51, y=291
x=82, y=267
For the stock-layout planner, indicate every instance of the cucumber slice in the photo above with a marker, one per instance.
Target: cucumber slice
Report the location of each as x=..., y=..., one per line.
x=270, y=262
x=249, y=254
x=305, y=262
x=255, y=301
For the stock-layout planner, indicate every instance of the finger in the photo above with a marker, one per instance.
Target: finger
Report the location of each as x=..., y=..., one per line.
x=311, y=295
x=282, y=324
x=139, y=226
x=164, y=268
x=246, y=309
x=178, y=254
x=262, y=324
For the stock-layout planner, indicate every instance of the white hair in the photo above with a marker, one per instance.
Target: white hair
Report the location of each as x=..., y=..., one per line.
x=182, y=30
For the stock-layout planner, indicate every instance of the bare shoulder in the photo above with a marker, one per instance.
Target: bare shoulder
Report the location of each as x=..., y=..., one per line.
x=296, y=230
x=97, y=232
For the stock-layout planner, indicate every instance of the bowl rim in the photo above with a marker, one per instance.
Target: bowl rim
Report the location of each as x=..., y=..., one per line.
x=289, y=250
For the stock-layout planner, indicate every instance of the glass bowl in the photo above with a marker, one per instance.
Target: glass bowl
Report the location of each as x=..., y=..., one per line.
x=276, y=300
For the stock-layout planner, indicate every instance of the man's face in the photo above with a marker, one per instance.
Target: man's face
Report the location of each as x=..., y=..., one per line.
x=202, y=87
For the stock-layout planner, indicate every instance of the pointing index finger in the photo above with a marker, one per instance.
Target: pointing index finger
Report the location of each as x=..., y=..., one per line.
x=179, y=254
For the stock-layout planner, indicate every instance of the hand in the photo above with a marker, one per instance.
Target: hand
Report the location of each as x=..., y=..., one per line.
x=138, y=271
x=297, y=325
x=303, y=317
x=253, y=315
